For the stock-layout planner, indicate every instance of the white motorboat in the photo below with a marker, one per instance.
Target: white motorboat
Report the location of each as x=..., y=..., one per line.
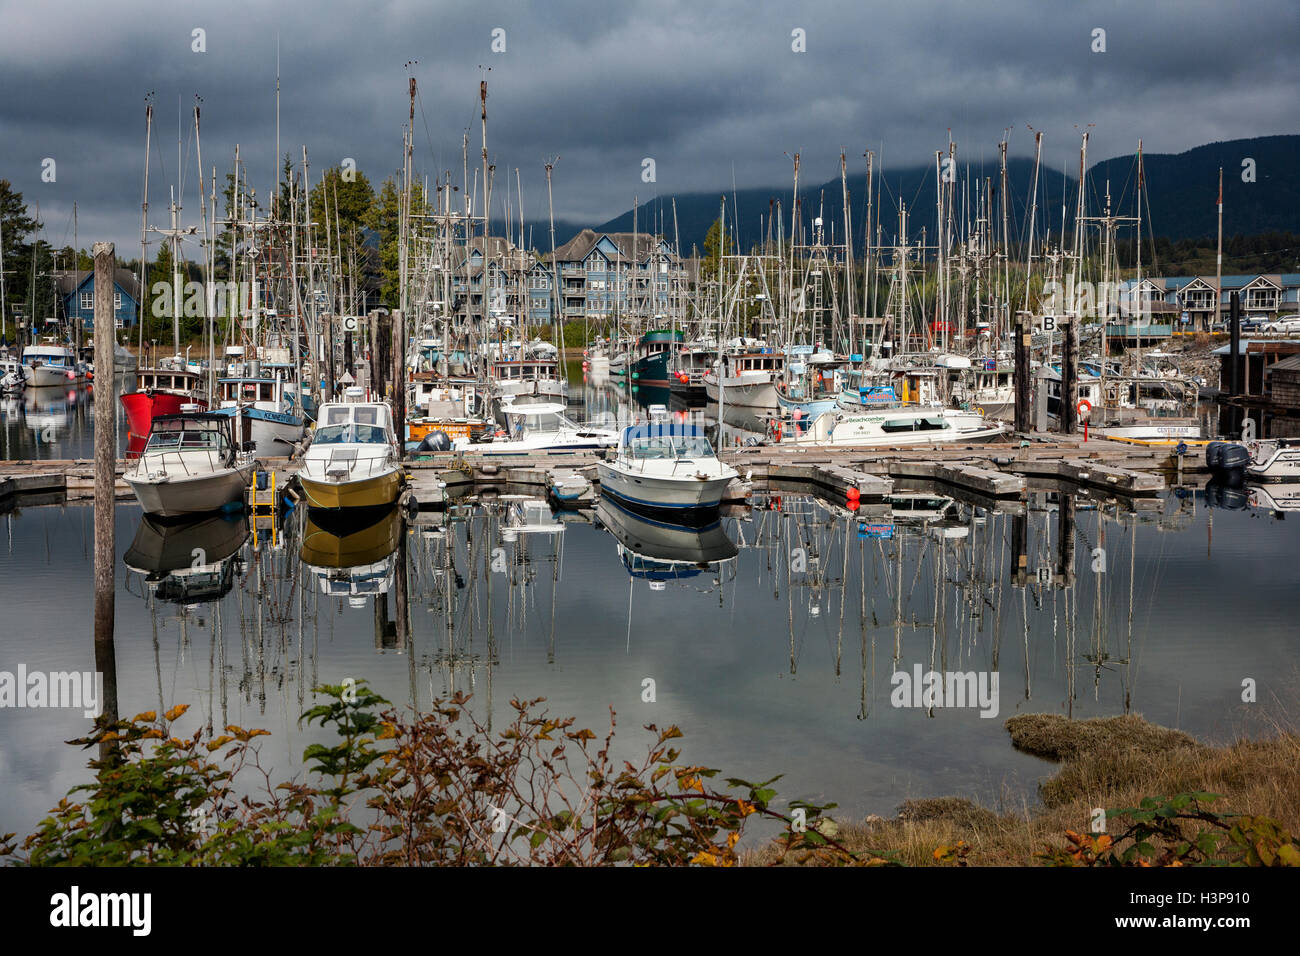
x=190, y=466
x=1274, y=460
x=51, y=365
x=353, y=461
x=900, y=425
x=540, y=427
x=657, y=551
x=665, y=467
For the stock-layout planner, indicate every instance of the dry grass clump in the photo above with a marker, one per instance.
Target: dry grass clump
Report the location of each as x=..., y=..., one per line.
x=1108, y=763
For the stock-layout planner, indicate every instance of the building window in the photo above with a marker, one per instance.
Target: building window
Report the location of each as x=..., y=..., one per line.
x=88, y=301
x=117, y=301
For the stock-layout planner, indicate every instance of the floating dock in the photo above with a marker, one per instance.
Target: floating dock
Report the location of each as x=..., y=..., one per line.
x=1002, y=472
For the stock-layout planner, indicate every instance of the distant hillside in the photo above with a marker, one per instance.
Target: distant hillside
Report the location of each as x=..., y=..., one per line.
x=1181, y=194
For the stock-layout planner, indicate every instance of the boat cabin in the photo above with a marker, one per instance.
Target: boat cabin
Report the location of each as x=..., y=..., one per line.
x=664, y=442
x=767, y=363
x=177, y=438
x=362, y=423
x=166, y=380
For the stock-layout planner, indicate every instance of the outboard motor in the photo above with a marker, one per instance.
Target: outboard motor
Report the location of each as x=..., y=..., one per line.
x=435, y=441
x=1227, y=461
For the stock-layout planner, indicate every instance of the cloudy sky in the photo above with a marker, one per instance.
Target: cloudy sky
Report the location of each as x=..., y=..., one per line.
x=714, y=92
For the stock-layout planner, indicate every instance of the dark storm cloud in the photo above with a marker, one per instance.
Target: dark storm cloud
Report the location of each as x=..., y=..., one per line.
x=710, y=91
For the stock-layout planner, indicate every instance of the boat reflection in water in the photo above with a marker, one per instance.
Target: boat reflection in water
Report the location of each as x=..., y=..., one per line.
x=659, y=552
x=352, y=558
x=189, y=561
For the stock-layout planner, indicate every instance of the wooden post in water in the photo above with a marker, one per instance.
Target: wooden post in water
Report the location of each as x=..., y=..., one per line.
x=327, y=327
x=399, y=378
x=1021, y=375
x=1068, y=416
x=1019, y=550
x=1234, y=344
x=1065, y=541
x=382, y=353
x=105, y=475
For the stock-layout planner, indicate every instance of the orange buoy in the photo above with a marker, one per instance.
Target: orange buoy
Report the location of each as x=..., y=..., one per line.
x=854, y=494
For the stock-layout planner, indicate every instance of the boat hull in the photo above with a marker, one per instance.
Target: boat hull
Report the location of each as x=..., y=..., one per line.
x=377, y=491
x=683, y=497
x=142, y=408
x=758, y=395
x=46, y=375
x=172, y=497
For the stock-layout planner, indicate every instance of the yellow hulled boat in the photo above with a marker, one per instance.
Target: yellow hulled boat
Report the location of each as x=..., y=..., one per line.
x=354, y=461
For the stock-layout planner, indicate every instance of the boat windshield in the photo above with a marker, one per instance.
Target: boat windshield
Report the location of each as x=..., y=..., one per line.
x=670, y=446
x=174, y=439
x=350, y=433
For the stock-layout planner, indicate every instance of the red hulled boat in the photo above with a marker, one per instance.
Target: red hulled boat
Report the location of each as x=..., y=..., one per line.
x=161, y=391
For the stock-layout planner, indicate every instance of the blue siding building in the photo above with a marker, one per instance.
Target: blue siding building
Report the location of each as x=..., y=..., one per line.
x=77, y=297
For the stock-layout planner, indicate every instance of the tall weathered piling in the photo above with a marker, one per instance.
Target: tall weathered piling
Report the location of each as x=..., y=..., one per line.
x=399, y=376
x=1068, y=416
x=105, y=474
x=1021, y=374
x=327, y=326
x=1065, y=515
x=1234, y=344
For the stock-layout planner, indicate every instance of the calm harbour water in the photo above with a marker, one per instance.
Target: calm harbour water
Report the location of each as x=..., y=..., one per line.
x=774, y=660
x=771, y=640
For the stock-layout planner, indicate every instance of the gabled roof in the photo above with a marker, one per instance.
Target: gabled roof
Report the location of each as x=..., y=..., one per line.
x=69, y=281
x=1272, y=280
x=626, y=245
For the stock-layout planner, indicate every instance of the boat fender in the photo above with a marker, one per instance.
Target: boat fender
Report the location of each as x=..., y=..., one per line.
x=836, y=381
x=435, y=441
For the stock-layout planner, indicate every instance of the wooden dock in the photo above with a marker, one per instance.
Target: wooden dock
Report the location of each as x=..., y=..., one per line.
x=1001, y=472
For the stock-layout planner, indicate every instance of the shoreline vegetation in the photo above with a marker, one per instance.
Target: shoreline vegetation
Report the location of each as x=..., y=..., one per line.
x=440, y=788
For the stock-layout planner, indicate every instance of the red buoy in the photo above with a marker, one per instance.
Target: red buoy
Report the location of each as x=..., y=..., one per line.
x=854, y=494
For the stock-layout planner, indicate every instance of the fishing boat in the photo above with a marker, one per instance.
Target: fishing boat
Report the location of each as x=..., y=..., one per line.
x=746, y=379
x=443, y=406
x=52, y=365
x=540, y=427
x=687, y=369
x=899, y=425
x=654, y=354
x=353, y=461
x=264, y=410
x=190, y=465
x=159, y=392
x=666, y=467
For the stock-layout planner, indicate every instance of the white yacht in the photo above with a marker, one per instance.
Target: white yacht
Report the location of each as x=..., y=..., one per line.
x=665, y=467
x=900, y=425
x=540, y=427
x=189, y=466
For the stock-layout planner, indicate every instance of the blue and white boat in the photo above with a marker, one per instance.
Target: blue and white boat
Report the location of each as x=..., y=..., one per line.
x=665, y=467
x=264, y=412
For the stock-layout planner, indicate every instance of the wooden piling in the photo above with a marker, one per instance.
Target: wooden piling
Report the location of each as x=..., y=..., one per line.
x=1022, y=375
x=1234, y=344
x=1068, y=416
x=105, y=475
x=327, y=322
x=399, y=377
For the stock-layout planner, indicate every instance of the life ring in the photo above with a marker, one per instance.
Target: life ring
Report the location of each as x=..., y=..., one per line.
x=979, y=410
x=1084, y=406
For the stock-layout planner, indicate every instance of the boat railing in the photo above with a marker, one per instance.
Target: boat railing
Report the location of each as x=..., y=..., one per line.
x=190, y=457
